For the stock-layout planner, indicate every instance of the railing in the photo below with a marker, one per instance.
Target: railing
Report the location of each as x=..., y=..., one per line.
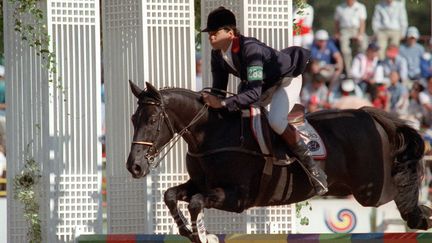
x=3, y=187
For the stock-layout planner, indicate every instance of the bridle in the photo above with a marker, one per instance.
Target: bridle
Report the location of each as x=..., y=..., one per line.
x=153, y=151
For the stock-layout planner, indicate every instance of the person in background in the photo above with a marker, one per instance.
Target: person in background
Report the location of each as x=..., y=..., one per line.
x=415, y=111
x=2, y=92
x=392, y=62
x=364, y=66
x=303, y=20
x=2, y=166
x=326, y=57
x=398, y=95
x=2, y=111
x=381, y=99
x=198, y=70
x=346, y=87
x=426, y=63
x=425, y=98
x=412, y=52
x=314, y=94
x=389, y=23
x=350, y=24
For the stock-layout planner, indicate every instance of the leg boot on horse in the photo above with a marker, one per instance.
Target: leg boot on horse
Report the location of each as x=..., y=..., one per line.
x=317, y=176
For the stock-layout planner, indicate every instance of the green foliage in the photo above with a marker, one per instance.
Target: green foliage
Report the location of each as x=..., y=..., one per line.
x=26, y=187
x=29, y=21
x=197, y=25
x=299, y=206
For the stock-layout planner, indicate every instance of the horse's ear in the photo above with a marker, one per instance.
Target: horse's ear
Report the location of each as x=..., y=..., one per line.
x=135, y=89
x=153, y=92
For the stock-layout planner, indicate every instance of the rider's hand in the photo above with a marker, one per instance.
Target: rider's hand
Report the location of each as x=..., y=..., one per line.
x=211, y=100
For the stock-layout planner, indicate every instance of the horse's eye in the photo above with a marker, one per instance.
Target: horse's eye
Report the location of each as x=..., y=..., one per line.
x=153, y=120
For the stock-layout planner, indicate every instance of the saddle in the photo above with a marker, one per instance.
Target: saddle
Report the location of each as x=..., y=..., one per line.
x=272, y=145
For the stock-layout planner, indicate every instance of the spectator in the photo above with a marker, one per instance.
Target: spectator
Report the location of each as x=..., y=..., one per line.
x=2, y=108
x=314, y=94
x=389, y=23
x=392, y=62
x=303, y=19
x=415, y=110
x=426, y=63
x=381, y=98
x=2, y=92
x=412, y=52
x=364, y=67
x=425, y=98
x=327, y=57
x=198, y=74
x=350, y=23
x=2, y=167
x=398, y=95
x=346, y=87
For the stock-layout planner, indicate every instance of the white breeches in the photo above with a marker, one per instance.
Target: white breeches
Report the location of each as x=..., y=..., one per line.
x=286, y=95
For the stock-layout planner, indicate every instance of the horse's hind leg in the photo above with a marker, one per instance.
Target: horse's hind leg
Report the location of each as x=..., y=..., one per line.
x=406, y=178
x=171, y=197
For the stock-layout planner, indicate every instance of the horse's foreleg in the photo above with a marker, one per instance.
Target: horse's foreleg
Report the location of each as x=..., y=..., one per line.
x=219, y=198
x=171, y=197
x=195, y=207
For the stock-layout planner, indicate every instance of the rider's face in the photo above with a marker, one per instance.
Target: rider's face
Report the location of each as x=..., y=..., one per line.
x=220, y=39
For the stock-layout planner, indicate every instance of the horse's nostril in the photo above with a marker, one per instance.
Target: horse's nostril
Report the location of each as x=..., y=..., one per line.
x=136, y=169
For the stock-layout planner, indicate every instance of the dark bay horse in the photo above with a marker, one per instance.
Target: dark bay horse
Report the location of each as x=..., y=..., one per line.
x=371, y=155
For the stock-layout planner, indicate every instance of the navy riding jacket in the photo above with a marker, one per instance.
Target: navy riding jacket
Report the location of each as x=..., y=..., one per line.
x=259, y=68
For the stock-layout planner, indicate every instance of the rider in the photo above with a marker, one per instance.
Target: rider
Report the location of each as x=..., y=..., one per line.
x=262, y=70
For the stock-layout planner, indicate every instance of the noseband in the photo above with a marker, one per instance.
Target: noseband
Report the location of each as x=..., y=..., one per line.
x=153, y=152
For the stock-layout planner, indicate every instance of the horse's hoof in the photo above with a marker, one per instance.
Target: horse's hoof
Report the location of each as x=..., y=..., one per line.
x=427, y=213
x=211, y=238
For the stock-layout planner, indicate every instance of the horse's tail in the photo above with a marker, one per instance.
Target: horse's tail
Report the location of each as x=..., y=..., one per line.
x=407, y=169
x=408, y=145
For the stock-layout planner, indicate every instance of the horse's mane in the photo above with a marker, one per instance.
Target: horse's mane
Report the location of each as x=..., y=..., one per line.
x=193, y=95
x=152, y=95
x=183, y=93
x=179, y=90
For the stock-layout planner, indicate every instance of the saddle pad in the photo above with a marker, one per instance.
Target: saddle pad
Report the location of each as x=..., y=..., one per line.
x=255, y=116
x=307, y=132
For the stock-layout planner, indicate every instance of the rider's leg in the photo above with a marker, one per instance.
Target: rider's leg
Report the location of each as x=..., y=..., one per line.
x=283, y=100
x=300, y=149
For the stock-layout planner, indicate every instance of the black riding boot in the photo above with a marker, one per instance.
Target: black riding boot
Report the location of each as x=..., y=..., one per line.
x=316, y=174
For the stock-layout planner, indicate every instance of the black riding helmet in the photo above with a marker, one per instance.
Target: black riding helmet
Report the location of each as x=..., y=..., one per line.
x=219, y=18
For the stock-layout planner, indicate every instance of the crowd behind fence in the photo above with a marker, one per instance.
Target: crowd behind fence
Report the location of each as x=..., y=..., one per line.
x=390, y=70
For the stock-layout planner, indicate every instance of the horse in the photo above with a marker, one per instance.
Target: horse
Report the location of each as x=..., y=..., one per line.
x=371, y=154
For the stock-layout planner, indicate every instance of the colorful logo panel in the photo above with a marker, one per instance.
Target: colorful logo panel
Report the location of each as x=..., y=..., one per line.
x=345, y=221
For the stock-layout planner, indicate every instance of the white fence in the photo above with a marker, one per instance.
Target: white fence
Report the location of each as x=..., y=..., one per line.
x=60, y=125
x=151, y=40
